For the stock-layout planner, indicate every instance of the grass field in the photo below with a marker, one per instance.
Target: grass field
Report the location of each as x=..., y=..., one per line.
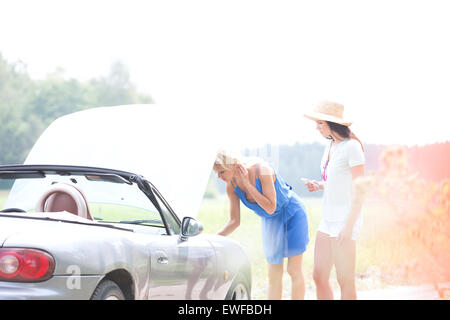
x=214, y=214
x=3, y=195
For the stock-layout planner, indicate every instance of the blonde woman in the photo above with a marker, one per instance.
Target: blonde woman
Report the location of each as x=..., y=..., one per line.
x=283, y=217
x=342, y=163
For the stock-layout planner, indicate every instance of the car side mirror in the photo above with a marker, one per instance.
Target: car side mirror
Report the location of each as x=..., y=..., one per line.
x=190, y=228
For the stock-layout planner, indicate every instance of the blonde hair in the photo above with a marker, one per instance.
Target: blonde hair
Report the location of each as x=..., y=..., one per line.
x=225, y=159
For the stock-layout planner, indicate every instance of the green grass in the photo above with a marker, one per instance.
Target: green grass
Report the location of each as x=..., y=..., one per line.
x=214, y=214
x=117, y=213
x=3, y=196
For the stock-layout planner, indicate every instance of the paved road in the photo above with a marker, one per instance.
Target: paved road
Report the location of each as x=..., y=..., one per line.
x=425, y=292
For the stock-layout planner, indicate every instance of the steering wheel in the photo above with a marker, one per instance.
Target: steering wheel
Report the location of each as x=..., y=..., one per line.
x=12, y=210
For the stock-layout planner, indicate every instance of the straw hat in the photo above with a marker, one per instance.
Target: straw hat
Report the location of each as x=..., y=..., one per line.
x=329, y=111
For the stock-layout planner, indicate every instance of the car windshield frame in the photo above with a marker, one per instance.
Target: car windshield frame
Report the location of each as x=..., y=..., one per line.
x=98, y=174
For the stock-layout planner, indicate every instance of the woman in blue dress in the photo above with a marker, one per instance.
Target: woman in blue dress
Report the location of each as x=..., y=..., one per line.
x=283, y=217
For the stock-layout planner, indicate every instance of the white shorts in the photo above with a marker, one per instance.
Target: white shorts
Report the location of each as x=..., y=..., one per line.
x=333, y=228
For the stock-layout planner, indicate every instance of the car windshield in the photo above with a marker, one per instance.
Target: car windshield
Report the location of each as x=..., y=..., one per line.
x=110, y=198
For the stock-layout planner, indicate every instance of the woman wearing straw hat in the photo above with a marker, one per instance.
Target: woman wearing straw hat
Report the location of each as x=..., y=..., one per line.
x=342, y=163
x=283, y=216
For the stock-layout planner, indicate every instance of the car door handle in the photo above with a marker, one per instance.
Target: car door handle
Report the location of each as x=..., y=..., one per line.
x=163, y=260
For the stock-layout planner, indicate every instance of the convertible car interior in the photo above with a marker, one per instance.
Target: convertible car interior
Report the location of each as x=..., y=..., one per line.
x=64, y=197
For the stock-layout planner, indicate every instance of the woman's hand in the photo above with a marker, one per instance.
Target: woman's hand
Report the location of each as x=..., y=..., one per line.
x=241, y=175
x=312, y=185
x=345, y=234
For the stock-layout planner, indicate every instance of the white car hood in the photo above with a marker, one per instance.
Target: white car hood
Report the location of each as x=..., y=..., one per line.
x=174, y=148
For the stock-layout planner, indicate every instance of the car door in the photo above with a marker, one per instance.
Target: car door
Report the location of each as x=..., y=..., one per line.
x=180, y=268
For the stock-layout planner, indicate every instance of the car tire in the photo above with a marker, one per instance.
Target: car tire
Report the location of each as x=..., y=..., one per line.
x=107, y=290
x=239, y=290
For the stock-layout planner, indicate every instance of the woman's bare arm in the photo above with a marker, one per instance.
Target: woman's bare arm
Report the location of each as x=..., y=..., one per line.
x=235, y=213
x=357, y=200
x=268, y=199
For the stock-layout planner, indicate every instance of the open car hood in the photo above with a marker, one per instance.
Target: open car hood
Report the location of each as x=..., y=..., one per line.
x=174, y=148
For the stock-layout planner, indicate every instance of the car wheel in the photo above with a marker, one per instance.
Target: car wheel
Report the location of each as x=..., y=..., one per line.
x=239, y=290
x=107, y=290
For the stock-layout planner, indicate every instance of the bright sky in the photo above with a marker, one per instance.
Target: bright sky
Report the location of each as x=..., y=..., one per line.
x=262, y=62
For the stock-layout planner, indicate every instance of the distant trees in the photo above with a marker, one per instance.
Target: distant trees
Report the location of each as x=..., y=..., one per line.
x=301, y=160
x=430, y=162
x=292, y=162
x=28, y=106
x=18, y=126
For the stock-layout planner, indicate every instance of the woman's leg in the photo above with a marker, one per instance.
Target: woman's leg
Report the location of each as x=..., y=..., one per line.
x=323, y=262
x=344, y=256
x=294, y=269
x=275, y=281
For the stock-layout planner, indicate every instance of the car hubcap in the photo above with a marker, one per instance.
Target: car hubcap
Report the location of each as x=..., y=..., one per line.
x=240, y=293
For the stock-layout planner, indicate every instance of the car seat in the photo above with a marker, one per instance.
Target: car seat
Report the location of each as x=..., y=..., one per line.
x=64, y=197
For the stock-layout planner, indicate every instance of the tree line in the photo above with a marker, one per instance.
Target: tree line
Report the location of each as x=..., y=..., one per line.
x=28, y=106
x=429, y=162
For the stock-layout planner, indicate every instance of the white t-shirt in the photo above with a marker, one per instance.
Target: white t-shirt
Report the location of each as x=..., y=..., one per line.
x=337, y=197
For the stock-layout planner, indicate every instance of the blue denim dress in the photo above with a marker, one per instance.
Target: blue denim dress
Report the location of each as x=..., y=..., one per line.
x=285, y=232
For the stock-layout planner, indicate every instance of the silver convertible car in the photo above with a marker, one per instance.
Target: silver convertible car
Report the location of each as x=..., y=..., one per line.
x=73, y=231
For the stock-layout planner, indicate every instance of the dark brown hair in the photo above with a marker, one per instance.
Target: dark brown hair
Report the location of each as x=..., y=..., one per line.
x=343, y=131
